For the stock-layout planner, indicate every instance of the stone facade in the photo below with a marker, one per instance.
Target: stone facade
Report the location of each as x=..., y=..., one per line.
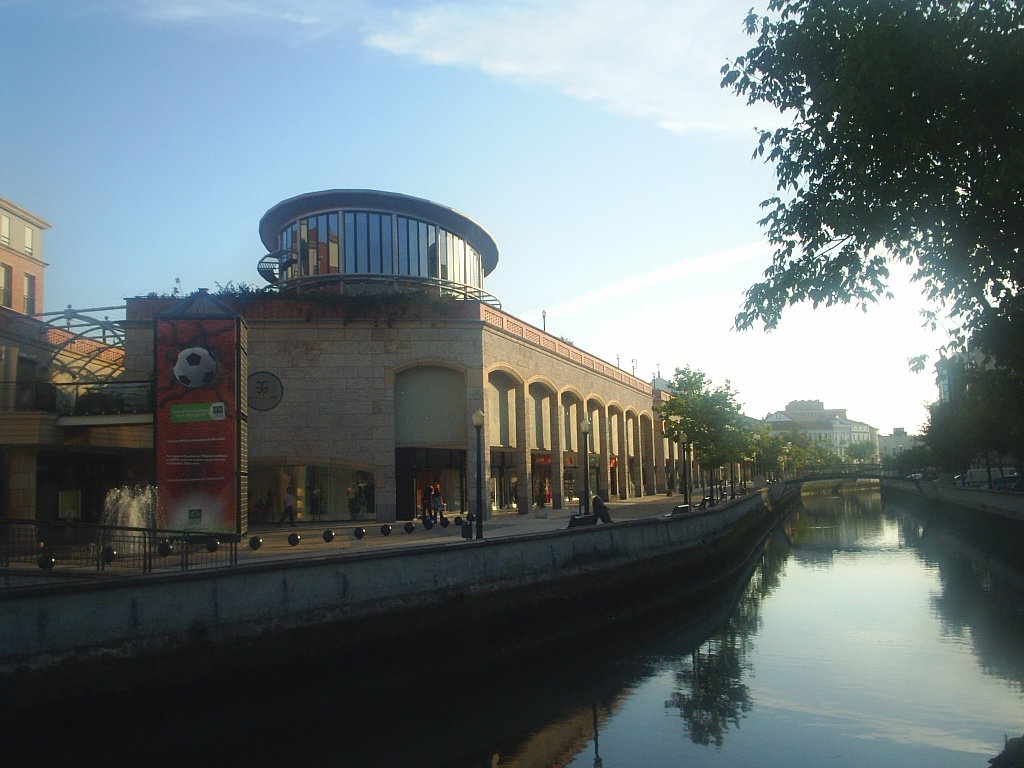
x=344, y=378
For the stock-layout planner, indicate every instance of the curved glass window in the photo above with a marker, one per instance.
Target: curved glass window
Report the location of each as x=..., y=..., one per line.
x=378, y=243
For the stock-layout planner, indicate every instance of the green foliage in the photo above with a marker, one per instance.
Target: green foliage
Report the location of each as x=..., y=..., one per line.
x=768, y=447
x=707, y=417
x=914, y=459
x=231, y=289
x=862, y=452
x=984, y=415
x=801, y=452
x=905, y=143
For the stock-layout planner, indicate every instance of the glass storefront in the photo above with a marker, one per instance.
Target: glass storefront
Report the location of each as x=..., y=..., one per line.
x=542, y=479
x=321, y=493
x=504, y=480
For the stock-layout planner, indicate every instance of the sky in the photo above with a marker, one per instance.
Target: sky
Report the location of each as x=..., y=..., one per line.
x=589, y=137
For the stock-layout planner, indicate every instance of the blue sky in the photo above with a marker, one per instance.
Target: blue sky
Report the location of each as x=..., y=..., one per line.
x=589, y=137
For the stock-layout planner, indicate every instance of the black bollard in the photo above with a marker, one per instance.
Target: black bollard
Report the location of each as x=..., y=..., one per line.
x=164, y=548
x=359, y=533
x=46, y=562
x=255, y=543
x=294, y=539
x=409, y=527
x=428, y=523
x=385, y=530
x=108, y=554
x=328, y=536
x=212, y=545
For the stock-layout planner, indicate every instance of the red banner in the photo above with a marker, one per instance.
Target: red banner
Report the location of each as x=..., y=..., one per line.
x=197, y=424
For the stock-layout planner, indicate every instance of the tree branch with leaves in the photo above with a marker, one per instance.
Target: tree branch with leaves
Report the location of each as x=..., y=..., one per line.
x=905, y=143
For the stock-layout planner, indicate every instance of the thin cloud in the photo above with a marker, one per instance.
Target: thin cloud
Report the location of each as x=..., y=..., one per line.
x=649, y=59
x=293, y=21
x=710, y=264
x=656, y=60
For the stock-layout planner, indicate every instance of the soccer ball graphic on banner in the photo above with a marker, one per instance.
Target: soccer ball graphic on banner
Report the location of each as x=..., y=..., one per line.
x=195, y=367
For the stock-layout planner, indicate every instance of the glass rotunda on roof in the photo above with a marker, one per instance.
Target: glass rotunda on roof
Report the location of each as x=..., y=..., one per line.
x=357, y=237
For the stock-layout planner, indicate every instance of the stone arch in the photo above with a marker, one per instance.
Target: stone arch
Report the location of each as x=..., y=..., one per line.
x=542, y=415
x=430, y=406
x=650, y=479
x=430, y=435
x=505, y=406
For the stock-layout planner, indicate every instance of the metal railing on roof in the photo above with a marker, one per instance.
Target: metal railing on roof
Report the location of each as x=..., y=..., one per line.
x=402, y=284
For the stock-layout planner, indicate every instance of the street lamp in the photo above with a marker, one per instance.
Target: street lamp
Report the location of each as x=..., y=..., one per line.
x=544, y=320
x=686, y=473
x=585, y=429
x=478, y=422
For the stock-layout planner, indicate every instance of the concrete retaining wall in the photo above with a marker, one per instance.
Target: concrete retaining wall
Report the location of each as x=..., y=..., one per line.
x=1001, y=503
x=133, y=616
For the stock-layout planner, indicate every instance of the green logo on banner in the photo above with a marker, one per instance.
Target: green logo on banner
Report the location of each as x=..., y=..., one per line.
x=186, y=412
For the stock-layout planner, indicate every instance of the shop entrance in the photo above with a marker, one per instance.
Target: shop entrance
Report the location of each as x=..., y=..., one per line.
x=418, y=470
x=504, y=479
x=542, y=479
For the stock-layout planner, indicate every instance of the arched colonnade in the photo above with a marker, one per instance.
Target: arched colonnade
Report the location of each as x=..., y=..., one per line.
x=536, y=451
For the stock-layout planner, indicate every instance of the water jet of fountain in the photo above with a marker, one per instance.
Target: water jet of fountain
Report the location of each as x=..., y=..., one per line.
x=130, y=507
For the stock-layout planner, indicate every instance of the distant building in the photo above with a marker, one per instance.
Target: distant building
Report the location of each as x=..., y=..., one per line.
x=896, y=443
x=21, y=260
x=823, y=425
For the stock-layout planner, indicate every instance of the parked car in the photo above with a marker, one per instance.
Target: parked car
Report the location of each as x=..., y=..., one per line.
x=1004, y=483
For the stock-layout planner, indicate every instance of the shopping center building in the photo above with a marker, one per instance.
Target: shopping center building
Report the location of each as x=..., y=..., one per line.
x=363, y=361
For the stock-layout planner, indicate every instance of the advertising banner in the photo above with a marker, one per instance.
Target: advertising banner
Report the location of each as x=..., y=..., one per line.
x=197, y=426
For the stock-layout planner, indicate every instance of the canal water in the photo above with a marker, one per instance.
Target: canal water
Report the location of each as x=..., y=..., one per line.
x=866, y=631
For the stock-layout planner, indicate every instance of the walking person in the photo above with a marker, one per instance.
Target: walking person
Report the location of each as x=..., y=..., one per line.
x=289, y=507
x=436, y=503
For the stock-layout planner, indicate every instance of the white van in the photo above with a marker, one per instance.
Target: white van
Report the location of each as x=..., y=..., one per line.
x=974, y=478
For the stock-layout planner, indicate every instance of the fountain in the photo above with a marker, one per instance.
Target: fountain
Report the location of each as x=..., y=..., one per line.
x=130, y=507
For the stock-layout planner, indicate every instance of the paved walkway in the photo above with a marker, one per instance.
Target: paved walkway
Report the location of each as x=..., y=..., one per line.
x=275, y=539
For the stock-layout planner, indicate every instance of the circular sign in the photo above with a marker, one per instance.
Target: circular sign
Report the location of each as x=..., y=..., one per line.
x=265, y=391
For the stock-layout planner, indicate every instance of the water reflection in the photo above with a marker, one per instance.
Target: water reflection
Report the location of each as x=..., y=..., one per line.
x=862, y=632
x=710, y=693
x=843, y=663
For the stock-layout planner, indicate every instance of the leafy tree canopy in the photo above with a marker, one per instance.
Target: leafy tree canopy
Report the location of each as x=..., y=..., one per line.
x=706, y=416
x=905, y=142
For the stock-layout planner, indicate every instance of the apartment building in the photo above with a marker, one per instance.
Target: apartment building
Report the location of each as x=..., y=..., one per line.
x=21, y=259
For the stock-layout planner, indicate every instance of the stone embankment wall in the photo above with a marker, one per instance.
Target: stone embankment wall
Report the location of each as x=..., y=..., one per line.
x=1003, y=504
x=139, y=616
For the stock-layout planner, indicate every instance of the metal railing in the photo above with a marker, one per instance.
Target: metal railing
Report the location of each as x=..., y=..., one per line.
x=88, y=399
x=60, y=548
x=409, y=284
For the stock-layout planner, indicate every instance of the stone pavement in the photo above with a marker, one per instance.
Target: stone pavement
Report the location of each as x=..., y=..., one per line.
x=311, y=542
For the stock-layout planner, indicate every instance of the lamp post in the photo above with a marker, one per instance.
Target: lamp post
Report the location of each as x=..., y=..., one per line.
x=585, y=429
x=544, y=320
x=686, y=473
x=478, y=422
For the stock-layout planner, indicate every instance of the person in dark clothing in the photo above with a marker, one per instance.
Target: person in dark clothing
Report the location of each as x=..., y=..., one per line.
x=289, y=507
x=601, y=510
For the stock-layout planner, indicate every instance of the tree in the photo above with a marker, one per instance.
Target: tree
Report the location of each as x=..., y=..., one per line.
x=862, y=451
x=906, y=144
x=768, y=447
x=706, y=416
x=983, y=417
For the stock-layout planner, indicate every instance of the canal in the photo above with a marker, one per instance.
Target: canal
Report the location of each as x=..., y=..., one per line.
x=867, y=630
